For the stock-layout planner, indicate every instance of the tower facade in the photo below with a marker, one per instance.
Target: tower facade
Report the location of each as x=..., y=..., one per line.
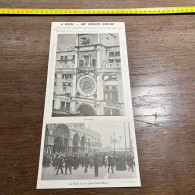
x=88, y=79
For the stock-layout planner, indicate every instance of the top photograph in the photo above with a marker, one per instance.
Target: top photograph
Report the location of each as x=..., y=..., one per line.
x=88, y=78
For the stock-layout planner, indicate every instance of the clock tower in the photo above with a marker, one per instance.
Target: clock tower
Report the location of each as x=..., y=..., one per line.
x=88, y=77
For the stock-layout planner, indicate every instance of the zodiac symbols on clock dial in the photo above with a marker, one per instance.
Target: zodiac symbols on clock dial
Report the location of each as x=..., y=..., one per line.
x=86, y=85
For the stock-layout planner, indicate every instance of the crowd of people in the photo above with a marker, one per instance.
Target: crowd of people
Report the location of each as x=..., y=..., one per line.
x=113, y=161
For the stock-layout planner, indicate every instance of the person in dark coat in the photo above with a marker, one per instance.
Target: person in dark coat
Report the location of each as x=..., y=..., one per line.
x=86, y=162
x=130, y=162
x=96, y=161
x=54, y=159
x=121, y=163
x=75, y=161
x=44, y=160
x=110, y=163
x=59, y=164
x=68, y=164
x=81, y=159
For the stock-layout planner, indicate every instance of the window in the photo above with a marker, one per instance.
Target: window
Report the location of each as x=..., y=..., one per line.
x=65, y=57
x=117, y=53
x=106, y=93
x=94, y=62
x=80, y=63
x=54, y=83
x=111, y=54
x=65, y=106
x=106, y=111
x=111, y=111
x=61, y=58
x=55, y=76
x=66, y=76
x=111, y=61
x=115, y=112
x=86, y=60
x=73, y=57
x=63, y=76
x=114, y=94
x=111, y=93
x=64, y=89
x=62, y=104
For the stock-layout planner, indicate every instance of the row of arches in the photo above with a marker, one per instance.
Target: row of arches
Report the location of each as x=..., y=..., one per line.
x=59, y=141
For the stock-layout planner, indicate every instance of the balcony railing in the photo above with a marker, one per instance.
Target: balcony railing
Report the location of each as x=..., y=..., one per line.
x=113, y=65
x=65, y=109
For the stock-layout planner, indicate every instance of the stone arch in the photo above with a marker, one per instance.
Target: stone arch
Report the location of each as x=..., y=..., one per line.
x=58, y=145
x=76, y=143
x=86, y=110
x=62, y=131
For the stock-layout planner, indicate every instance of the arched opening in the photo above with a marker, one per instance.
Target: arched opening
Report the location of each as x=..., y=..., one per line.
x=83, y=144
x=76, y=141
x=106, y=93
x=58, y=145
x=114, y=94
x=86, y=110
x=62, y=131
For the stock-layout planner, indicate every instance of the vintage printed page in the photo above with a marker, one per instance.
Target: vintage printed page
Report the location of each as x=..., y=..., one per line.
x=88, y=136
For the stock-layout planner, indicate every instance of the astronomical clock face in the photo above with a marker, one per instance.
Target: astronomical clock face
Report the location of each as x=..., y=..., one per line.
x=86, y=85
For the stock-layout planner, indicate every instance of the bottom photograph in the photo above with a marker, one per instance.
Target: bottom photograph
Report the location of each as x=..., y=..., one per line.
x=87, y=152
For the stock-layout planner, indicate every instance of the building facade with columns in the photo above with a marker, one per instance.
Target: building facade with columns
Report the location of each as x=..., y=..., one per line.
x=88, y=78
x=71, y=138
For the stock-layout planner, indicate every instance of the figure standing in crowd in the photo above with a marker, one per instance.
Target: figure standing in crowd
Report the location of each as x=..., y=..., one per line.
x=54, y=160
x=59, y=164
x=96, y=163
x=120, y=160
x=130, y=162
x=86, y=162
x=75, y=161
x=121, y=163
x=68, y=164
x=110, y=163
x=81, y=159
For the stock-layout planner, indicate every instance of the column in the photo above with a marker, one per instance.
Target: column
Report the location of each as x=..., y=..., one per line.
x=70, y=143
x=74, y=84
x=58, y=83
x=99, y=87
x=98, y=55
x=57, y=104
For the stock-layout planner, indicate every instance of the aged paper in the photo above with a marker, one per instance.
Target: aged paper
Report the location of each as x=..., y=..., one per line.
x=88, y=136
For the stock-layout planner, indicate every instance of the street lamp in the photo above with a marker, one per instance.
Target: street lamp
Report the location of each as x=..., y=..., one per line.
x=115, y=141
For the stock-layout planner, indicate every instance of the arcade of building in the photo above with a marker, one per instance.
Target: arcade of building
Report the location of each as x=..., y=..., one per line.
x=71, y=138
